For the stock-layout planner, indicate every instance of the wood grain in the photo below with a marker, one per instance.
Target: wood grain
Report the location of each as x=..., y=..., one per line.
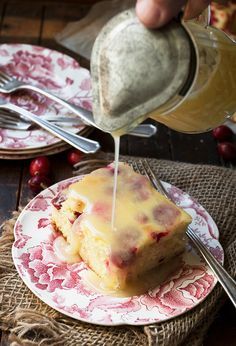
x=56, y=3
x=10, y=179
x=55, y=19
x=157, y=146
x=203, y=148
x=21, y=23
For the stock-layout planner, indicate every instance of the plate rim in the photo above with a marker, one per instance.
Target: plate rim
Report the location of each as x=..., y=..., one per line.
x=112, y=324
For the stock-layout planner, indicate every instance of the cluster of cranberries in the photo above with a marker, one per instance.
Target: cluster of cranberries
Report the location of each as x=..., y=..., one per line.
x=40, y=170
x=225, y=146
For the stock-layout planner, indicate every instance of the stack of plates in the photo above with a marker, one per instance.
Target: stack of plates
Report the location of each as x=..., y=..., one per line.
x=51, y=71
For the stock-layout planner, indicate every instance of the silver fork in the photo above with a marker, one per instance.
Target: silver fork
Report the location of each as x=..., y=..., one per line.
x=86, y=166
x=84, y=144
x=13, y=121
x=10, y=84
x=223, y=277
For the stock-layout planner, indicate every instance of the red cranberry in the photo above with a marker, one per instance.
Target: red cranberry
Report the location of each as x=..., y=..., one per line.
x=227, y=151
x=40, y=165
x=165, y=214
x=38, y=183
x=157, y=236
x=142, y=218
x=74, y=156
x=123, y=259
x=77, y=214
x=222, y=133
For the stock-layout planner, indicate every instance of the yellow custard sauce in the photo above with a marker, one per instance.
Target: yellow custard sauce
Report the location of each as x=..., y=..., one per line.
x=140, y=285
x=148, y=229
x=212, y=98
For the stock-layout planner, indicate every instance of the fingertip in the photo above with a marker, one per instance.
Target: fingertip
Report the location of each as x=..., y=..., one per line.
x=149, y=14
x=155, y=14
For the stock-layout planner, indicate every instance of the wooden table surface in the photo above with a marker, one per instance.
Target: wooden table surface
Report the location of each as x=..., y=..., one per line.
x=37, y=22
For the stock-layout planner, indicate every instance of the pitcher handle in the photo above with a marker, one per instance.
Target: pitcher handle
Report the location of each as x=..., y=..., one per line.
x=204, y=18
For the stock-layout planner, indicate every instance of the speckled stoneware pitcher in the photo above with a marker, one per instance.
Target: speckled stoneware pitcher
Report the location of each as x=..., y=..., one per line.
x=183, y=75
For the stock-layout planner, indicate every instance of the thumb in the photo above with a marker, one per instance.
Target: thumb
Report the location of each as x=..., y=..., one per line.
x=156, y=13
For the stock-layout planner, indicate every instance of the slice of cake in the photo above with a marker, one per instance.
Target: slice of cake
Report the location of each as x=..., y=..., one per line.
x=148, y=228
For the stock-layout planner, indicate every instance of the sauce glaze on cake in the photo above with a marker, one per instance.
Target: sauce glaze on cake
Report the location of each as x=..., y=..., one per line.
x=148, y=229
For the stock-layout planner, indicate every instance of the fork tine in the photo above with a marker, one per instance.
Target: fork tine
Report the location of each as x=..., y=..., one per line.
x=8, y=120
x=9, y=126
x=14, y=122
x=92, y=161
x=4, y=114
x=11, y=123
x=87, y=169
x=144, y=169
x=14, y=118
x=5, y=77
x=147, y=174
x=2, y=80
x=157, y=183
x=86, y=166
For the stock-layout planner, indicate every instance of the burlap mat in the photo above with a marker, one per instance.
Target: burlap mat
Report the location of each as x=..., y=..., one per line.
x=31, y=322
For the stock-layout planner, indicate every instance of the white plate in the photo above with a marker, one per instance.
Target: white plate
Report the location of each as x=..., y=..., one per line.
x=49, y=70
x=62, y=286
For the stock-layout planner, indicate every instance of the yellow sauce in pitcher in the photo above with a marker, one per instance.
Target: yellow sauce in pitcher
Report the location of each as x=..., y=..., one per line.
x=212, y=98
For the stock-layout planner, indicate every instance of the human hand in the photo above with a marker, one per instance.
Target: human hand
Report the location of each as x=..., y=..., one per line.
x=156, y=13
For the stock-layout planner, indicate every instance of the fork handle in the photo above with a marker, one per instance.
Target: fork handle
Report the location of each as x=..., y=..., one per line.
x=83, y=144
x=223, y=277
x=144, y=130
x=84, y=114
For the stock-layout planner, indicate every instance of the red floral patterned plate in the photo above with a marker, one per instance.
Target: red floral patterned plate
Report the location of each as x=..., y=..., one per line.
x=49, y=70
x=49, y=150
x=26, y=156
x=62, y=286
